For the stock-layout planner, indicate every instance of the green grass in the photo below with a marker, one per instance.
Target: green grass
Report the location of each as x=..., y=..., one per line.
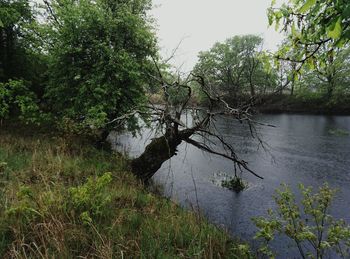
x=62, y=198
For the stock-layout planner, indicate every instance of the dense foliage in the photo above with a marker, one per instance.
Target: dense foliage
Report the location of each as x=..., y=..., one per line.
x=234, y=67
x=16, y=98
x=13, y=17
x=86, y=62
x=99, y=58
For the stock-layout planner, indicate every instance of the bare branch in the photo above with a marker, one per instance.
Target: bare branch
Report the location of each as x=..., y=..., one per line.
x=241, y=163
x=52, y=13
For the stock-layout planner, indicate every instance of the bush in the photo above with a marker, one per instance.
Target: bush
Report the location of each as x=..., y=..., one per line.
x=17, y=99
x=313, y=230
x=93, y=198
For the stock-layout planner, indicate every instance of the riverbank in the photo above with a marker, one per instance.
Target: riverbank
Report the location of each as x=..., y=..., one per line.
x=285, y=103
x=303, y=105
x=61, y=197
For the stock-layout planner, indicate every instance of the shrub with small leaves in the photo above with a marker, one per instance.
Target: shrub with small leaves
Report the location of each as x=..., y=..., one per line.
x=17, y=99
x=3, y=166
x=312, y=229
x=24, y=210
x=93, y=198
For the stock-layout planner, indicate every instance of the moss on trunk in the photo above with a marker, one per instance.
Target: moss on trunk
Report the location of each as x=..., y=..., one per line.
x=156, y=153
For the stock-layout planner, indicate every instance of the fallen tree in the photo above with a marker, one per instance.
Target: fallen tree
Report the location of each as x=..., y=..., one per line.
x=172, y=131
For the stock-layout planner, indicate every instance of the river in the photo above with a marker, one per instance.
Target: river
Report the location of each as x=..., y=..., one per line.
x=308, y=149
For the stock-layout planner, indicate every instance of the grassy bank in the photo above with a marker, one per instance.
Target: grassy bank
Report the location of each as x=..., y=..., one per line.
x=62, y=198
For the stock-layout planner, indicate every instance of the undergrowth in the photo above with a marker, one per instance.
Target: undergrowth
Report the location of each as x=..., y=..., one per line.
x=62, y=198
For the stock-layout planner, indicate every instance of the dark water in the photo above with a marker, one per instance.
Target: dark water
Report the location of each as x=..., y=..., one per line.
x=301, y=149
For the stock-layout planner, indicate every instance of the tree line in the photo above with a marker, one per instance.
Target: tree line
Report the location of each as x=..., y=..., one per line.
x=239, y=68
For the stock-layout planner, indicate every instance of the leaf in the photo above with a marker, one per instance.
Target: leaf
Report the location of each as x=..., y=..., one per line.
x=346, y=12
x=311, y=64
x=306, y=7
x=1, y=24
x=335, y=32
x=346, y=34
x=295, y=32
x=270, y=17
x=340, y=43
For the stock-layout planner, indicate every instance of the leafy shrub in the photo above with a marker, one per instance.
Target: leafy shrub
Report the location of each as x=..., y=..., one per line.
x=93, y=198
x=313, y=230
x=24, y=210
x=3, y=166
x=16, y=98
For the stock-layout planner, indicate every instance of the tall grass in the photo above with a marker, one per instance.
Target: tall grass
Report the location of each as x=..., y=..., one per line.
x=61, y=198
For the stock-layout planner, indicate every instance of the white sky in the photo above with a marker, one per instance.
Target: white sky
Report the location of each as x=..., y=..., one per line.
x=201, y=23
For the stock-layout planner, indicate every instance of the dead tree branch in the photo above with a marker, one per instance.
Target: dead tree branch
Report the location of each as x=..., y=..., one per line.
x=177, y=94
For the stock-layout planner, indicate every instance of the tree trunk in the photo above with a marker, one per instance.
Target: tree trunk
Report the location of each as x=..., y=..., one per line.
x=252, y=88
x=156, y=153
x=330, y=88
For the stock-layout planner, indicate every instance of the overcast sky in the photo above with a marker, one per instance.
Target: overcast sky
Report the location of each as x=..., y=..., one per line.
x=201, y=23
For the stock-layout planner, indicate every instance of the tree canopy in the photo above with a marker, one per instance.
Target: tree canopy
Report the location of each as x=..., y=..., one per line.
x=234, y=66
x=99, y=58
x=13, y=16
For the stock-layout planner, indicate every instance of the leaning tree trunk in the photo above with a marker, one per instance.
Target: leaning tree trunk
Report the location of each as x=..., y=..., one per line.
x=156, y=153
x=252, y=88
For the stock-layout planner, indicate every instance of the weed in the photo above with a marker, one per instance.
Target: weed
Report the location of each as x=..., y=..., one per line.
x=314, y=232
x=234, y=184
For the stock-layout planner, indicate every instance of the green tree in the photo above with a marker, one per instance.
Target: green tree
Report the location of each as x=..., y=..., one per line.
x=335, y=73
x=13, y=16
x=20, y=53
x=17, y=99
x=251, y=63
x=330, y=82
x=22, y=64
x=234, y=67
x=100, y=56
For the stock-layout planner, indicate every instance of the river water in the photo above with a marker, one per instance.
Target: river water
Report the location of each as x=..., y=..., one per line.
x=308, y=149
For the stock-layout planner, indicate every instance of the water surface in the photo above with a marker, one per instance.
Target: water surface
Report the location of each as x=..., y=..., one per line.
x=300, y=149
